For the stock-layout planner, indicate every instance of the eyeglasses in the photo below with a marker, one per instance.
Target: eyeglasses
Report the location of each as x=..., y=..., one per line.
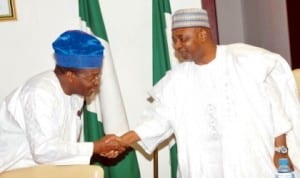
x=88, y=76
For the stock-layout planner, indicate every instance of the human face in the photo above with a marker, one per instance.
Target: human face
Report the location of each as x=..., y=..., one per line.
x=88, y=81
x=187, y=43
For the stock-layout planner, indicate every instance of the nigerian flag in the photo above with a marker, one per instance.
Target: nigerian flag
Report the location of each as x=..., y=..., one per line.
x=105, y=113
x=161, y=58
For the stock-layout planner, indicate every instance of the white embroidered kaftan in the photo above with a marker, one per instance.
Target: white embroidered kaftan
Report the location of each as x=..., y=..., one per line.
x=39, y=125
x=226, y=114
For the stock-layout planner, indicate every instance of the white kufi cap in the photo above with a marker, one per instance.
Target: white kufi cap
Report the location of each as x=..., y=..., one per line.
x=192, y=17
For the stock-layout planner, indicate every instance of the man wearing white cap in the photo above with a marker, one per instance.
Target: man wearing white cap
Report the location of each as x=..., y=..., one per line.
x=233, y=108
x=40, y=121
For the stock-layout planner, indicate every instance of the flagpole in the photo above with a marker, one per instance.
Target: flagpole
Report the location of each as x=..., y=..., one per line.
x=155, y=163
x=161, y=58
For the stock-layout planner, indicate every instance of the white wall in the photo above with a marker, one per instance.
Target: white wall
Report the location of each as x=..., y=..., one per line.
x=25, y=44
x=230, y=21
x=25, y=50
x=260, y=23
x=266, y=25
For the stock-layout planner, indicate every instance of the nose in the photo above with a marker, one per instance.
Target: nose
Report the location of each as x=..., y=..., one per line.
x=176, y=45
x=96, y=80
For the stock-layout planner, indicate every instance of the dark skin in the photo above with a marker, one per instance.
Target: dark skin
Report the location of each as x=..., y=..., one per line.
x=82, y=82
x=85, y=82
x=281, y=141
x=185, y=43
x=194, y=44
x=197, y=44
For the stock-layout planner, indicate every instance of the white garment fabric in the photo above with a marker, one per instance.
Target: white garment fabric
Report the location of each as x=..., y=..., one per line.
x=39, y=124
x=225, y=115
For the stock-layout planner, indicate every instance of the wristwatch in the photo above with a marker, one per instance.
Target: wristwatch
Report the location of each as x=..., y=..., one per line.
x=281, y=149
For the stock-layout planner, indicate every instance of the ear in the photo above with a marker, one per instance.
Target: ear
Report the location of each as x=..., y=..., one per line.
x=70, y=76
x=202, y=34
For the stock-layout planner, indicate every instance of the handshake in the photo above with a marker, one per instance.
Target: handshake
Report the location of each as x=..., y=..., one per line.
x=111, y=146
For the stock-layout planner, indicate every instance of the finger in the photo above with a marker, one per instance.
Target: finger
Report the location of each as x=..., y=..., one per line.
x=106, y=154
x=112, y=154
x=112, y=138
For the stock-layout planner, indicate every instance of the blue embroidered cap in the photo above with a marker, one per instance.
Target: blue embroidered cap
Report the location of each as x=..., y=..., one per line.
x=77, y=49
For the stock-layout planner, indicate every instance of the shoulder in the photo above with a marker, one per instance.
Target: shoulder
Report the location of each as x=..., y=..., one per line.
x=253, y=56
x=173, y=80
x=242, y=48
x=178, y=72
x=245, y=50
x=45, y=83
x=257, y=62
x=42, y=80
x=36, y=81
x=182, y=69
x=37, y=87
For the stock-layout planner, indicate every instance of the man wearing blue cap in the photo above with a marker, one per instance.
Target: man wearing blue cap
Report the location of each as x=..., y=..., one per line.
x=234, y=109
x=40, y=121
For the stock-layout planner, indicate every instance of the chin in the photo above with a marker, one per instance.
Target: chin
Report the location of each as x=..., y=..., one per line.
x=90, y=97
x=187, y=59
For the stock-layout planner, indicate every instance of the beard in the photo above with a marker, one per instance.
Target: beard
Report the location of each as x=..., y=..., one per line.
x=91, y=95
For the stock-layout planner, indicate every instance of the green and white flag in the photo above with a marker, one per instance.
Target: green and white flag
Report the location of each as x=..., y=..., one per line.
x=105, y=113
x=162, y=60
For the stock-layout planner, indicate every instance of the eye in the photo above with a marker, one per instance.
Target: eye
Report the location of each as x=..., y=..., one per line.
x=184, y=38
x=89, y=77
x=180, y=39
x=93, y=77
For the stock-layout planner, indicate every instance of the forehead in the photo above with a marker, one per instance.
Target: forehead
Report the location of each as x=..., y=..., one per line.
x=183, y=31
x=90, y=71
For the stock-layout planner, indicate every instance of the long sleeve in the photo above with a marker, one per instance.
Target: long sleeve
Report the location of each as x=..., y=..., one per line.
x=285, y=106
x=158, y=116
x=53, y=129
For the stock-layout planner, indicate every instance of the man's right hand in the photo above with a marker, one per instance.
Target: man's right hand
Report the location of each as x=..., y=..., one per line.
x=109, y=146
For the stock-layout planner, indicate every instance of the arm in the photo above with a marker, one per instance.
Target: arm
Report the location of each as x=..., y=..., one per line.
x=281, y=141
x=111, y=146
x=285, y=111
x=130, y=138
x=51, y=130
x=115, y=143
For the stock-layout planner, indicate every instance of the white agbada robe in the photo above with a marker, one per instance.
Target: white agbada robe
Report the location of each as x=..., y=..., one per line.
x=226, y=114
x=39, y=124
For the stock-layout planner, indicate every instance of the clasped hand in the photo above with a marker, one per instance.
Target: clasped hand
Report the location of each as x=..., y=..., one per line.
x=110, y=146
